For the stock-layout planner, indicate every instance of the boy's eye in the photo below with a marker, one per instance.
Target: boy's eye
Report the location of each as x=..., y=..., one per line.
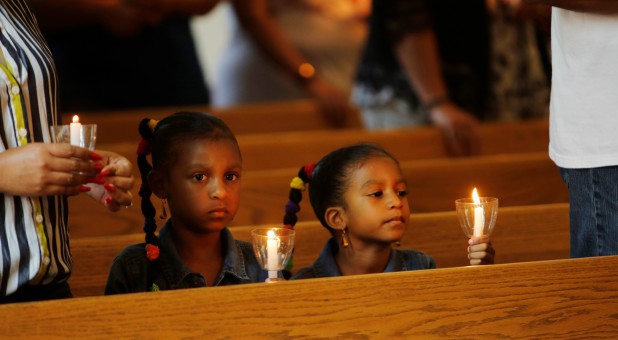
x=199, y=177
x=376, y=194
x=231, y=177
x=402, y=193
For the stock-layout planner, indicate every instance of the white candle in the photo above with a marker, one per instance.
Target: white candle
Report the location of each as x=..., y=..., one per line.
x=75, y=128
x=272, y=246
x=479, y=215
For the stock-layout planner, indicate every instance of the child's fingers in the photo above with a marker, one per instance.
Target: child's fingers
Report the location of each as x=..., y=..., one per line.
x=481, y=254
x=476, y=240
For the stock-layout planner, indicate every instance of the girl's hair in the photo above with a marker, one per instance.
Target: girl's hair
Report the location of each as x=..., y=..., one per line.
x=163, y=140
x=328, y=180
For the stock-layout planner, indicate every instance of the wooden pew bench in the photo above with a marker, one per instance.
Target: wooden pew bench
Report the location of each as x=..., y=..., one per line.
x=300, y=115
x=547, y=299
x=517, y=179
x=294, y=149
x=526, y=233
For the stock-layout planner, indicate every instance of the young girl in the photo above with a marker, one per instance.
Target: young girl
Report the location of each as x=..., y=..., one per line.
x=196, y=169
x=359, y=194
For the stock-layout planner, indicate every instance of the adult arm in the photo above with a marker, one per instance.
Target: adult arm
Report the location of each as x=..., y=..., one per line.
x=40, y=169
x=589, y=6
x=417, y=52
x=257, y=19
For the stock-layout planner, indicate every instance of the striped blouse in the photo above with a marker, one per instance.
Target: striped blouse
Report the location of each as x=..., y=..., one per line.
x=34, y=234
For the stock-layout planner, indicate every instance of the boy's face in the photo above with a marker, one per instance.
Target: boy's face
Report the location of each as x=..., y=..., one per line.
x=377, y=205
x=203, y=185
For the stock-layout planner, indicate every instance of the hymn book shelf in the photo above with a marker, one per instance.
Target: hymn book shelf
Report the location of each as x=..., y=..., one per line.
x=559, y=299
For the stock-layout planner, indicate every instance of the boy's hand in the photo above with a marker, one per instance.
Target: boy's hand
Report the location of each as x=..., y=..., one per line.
x=480, y=251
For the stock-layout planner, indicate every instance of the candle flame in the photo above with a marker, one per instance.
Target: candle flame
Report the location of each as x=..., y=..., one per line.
x=271, y=234
x=75, y=119
x=475, y=197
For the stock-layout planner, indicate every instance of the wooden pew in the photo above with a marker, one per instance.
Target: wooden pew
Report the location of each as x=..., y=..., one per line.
x=570, y=298
x=517, y=179
x=525, y=233
x=293, y=149
x=121, y=125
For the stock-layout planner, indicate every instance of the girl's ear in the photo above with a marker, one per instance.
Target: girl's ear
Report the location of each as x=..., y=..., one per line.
x=336, y=218
x=157, y=183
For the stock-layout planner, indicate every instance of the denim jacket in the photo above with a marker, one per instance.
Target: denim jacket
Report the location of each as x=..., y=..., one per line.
x=129, y=272
x=400, y=260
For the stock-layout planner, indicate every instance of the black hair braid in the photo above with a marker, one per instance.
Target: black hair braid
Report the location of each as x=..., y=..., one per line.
x=146, y=128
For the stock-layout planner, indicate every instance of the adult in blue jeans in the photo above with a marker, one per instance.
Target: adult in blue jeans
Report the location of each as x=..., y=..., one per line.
x=583, y=119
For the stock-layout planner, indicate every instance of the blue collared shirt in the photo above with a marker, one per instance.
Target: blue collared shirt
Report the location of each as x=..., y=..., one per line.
x=129, y=272
x=400, y=260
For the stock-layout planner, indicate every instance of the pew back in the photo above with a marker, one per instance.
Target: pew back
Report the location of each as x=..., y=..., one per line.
x=293, y=149
x=517, y=179
x=300, y=115
x=547, y=299
x=527, y=233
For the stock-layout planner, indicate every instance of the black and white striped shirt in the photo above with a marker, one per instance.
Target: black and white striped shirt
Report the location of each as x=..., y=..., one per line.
x=34, y=234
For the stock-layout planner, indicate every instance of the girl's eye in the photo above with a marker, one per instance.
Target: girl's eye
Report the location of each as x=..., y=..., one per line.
x=376, y=194
x=402, y=193
x=199, y=177
x=231, y=177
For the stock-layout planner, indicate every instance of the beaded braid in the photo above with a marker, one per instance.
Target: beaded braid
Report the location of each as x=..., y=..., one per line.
x=146, y=130
x=297, y=186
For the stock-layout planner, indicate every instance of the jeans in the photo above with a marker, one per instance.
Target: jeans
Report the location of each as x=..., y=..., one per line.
x=593, y=210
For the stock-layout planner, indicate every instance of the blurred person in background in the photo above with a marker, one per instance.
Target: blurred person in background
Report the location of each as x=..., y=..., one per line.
x=453, y=64
x=293, y=49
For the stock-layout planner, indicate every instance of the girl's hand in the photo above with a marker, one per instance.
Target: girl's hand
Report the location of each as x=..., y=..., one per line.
x=480, y=251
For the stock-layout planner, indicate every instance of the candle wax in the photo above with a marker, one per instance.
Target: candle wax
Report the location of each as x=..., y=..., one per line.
x=75, y=129
x=272, y=245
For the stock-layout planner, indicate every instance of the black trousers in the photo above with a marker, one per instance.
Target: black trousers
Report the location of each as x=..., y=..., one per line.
x=38, y=293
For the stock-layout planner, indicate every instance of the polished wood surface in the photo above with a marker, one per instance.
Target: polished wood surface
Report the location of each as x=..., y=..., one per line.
x=300, y=115
x=516, y=179
x=559, y=299
x=524, y=233
x=263, y=151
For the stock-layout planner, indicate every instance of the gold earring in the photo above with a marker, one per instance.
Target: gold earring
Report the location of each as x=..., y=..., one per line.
x=163, y=211
x=344, y=239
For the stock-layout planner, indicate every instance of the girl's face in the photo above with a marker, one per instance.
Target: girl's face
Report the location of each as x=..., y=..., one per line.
x=377, y=206
x=203, y=186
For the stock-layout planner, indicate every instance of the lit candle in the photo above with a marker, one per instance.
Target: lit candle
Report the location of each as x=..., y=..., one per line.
x=479, y=215
x=272, y=246
x=75, y=128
